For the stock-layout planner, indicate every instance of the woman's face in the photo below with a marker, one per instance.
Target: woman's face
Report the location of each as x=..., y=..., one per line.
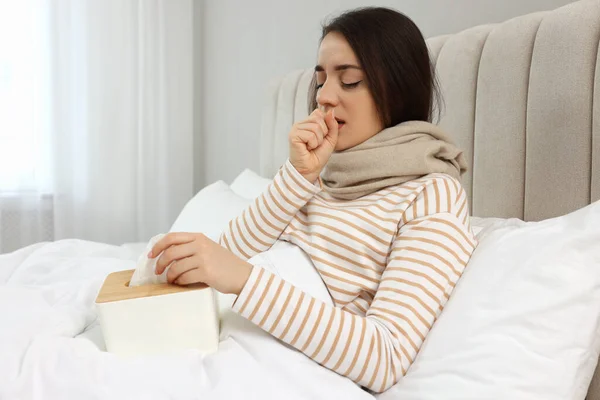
x=341, y=85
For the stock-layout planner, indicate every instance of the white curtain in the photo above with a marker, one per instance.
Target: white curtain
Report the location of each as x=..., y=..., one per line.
x=96, y=125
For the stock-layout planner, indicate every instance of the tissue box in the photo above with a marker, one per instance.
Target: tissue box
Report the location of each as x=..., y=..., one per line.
x=156, y=318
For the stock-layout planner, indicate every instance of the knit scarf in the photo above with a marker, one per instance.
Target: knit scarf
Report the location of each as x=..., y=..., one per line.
x=393, y=156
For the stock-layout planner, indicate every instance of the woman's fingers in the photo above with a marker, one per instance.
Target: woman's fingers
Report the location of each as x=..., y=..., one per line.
x=174, y=253
x=306, y=138
x=317, y=113
x=318, y=117
x=181, y=267
x=332, y=126
x=309, y=139
x=189, y=277
x=169, y=240
x=311, y=133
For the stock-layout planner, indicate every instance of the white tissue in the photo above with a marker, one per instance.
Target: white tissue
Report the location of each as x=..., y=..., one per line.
x=144, y=271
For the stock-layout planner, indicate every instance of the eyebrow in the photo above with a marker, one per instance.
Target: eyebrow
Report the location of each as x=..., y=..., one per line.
x=340, y=67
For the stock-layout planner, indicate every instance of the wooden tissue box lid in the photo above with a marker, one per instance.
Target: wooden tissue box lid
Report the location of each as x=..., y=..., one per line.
x=116, y=288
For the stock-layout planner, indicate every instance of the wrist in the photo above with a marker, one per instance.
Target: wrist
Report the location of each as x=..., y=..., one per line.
x=241, y=277
x=311, y=178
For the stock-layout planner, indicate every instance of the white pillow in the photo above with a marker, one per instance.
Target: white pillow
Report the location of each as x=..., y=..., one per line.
x=249, y=184
x=523, y=320
x=210, y=210
x=479, y=224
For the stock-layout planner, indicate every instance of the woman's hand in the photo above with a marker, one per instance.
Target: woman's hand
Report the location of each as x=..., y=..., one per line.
x=195, y=258
x=311, y=143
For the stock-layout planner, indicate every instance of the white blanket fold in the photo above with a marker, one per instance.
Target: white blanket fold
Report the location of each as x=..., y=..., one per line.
x=49, y=329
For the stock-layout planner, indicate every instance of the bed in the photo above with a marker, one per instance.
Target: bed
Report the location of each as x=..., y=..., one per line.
x=523, y=99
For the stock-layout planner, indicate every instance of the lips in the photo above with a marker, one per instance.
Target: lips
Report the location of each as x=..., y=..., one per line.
x=340, y=122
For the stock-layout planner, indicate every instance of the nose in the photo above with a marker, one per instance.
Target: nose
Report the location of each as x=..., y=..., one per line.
x=327, y=96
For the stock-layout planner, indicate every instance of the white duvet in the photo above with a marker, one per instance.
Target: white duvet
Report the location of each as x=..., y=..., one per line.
x=51, y=345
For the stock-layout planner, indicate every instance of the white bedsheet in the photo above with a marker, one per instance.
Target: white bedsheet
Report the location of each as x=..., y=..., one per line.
x=51, y=345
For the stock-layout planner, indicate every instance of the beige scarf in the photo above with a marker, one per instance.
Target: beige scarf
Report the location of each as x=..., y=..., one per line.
x=393, y=156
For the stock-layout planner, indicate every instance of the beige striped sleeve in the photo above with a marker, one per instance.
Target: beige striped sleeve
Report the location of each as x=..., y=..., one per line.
x=375, y=351
x=258, y=227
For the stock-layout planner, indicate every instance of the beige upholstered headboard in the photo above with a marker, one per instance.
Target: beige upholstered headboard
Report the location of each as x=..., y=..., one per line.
x=522, y=98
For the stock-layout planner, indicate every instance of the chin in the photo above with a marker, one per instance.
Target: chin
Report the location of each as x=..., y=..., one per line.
x=340, y=146
x=343, y=143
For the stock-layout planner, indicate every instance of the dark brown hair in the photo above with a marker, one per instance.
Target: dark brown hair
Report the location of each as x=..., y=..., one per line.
x=394, y=56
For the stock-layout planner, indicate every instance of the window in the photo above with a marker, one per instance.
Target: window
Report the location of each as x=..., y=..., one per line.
x=24, y=95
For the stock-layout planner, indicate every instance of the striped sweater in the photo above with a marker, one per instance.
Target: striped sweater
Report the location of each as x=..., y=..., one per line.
x=389, y=260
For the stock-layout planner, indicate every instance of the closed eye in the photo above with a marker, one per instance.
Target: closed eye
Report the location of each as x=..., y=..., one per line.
x=344, y=85
x=350, y=85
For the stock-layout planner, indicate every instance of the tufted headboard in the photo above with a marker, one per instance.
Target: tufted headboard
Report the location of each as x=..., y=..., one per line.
x=522, y=99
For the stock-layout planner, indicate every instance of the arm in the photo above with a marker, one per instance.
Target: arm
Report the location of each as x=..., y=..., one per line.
x=311, y=143
x=375, y=351
x=259, y=226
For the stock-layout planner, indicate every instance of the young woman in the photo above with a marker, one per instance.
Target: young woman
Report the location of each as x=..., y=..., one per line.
x=370, y=192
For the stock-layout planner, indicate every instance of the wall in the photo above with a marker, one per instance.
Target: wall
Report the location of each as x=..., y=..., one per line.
x=247, y=43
